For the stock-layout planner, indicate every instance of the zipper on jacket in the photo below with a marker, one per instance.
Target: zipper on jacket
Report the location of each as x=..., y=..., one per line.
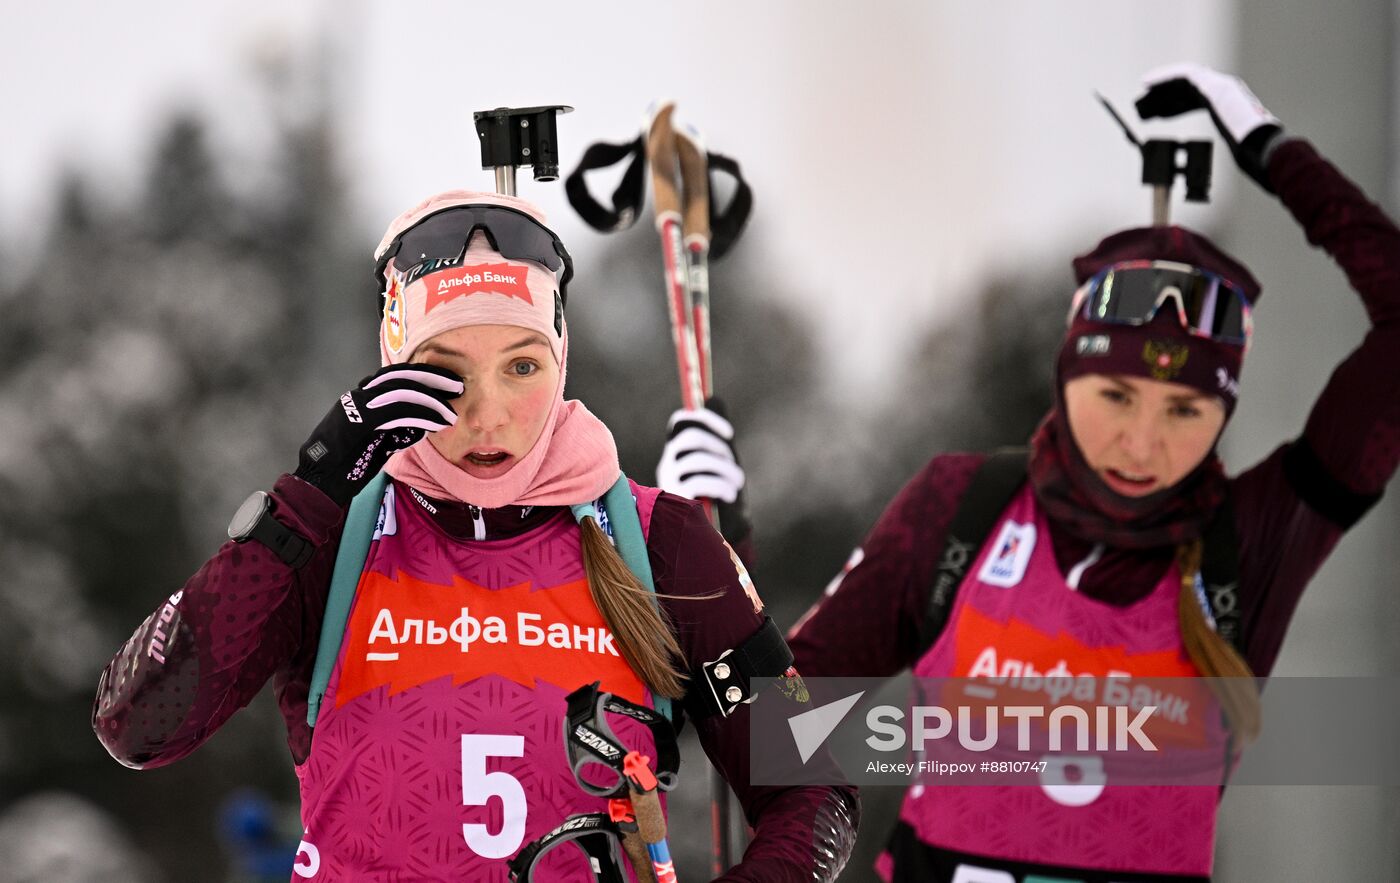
x=478, y=520
x=1076, y=572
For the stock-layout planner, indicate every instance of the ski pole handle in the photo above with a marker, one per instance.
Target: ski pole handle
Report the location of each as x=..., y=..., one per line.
x=695, y=229
x=620, y=811
x=661, y=153
x=651, y=822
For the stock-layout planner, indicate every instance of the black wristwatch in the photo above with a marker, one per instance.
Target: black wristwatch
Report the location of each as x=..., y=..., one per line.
x=254, y=521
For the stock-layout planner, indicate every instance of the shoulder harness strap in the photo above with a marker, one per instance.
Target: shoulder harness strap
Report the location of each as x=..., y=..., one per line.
x=993, y=485
x=1220, y=574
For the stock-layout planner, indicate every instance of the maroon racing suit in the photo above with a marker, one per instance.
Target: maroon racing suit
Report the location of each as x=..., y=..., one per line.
x=246, y=617
x=1289, y=510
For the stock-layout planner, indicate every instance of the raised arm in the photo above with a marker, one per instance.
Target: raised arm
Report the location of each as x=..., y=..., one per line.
x=1348, y=450
x=1353, y=431
x=1292, y=507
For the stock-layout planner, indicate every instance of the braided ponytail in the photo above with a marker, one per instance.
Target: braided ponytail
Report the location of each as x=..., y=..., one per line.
x=644, y=637
x=1231, y=679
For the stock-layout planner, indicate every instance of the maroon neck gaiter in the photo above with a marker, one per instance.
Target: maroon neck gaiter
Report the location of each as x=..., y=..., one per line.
x=1075, y=497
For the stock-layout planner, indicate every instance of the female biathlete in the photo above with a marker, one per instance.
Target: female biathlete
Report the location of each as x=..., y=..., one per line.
x=1120, y=497
x=489, y=591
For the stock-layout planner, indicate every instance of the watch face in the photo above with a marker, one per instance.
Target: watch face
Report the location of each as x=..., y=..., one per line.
x=247, y=515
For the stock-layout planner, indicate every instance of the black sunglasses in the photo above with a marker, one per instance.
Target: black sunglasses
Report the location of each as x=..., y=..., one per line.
x=440, y=240
x=1207, y=304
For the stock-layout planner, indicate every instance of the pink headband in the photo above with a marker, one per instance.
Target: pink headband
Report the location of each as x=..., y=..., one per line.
x=483, y=289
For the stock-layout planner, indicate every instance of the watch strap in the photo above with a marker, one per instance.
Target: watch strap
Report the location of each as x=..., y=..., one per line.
x=294, y=550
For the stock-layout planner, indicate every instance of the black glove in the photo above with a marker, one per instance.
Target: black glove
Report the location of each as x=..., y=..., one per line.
x=699, y=461
x=390, y=410
x=1247, y=127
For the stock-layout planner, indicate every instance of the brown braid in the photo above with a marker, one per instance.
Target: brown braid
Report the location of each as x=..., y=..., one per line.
x=1231, y=679
x=643, y=636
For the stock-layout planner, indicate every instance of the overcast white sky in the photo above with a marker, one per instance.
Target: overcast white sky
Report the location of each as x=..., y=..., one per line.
x=898, y=151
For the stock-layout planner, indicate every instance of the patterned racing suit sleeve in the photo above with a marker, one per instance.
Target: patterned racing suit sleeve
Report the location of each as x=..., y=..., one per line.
x=205, y=653
x=1292, y=508
x=800, y=833
x=1354, y=427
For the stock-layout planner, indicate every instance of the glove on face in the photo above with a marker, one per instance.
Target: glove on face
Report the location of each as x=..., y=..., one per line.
x=699, y=462
x=390, y=410
x=1245, y=124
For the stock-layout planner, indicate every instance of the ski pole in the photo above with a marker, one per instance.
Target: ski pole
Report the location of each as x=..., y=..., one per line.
x=589, y=742
x=651, y=823
x=685, y=245
x=695, y=228
x=661, y=153
x=691, y=232
x=625, y=817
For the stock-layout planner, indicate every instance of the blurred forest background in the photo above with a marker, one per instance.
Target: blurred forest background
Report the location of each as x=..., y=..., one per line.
x=165, y=348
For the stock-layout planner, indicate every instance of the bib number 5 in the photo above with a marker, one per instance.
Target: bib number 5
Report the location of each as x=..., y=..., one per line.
x=479, y=786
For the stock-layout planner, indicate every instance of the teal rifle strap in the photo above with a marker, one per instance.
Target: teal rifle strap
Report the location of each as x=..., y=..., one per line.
x=355, y=540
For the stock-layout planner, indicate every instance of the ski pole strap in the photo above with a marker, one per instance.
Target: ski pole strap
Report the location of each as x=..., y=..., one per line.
x=594, y=834
x=361, y=523
x=589, y=740
x=729, y=681
x=726, y=226
x=627, y=198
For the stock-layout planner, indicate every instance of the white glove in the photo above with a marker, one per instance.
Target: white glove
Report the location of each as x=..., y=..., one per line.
x=1245, y=124
x=698, y=460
